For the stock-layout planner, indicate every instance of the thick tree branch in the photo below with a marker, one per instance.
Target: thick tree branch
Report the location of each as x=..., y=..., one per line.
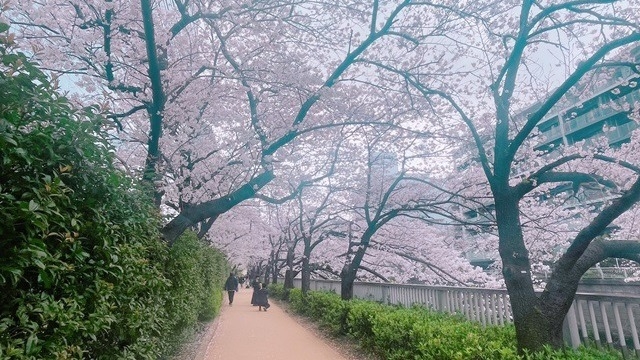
x=156, y=108
x=205, y=226
x=577, y=178
x=546, y=174
x=598, y=225
x=333, y=79
x=374, y=273
x=191, y=215
x=601, y=249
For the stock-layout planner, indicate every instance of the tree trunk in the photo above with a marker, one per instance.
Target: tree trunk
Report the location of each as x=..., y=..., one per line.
x=275, y=271
x=545, y=326
x=270, y=270
x=347, y=277
x=539, y=330
x=288, y=279
x=274, y=274
x=267, y=274
x=534, y=327
x=156, y=108
x=349, y=272
x=306, y=272
x=555, y=302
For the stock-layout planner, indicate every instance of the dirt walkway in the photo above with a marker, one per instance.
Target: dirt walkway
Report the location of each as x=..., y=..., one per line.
x=244, y=333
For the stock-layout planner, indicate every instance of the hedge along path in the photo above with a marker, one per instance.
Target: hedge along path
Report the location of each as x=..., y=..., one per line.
x=241, y=332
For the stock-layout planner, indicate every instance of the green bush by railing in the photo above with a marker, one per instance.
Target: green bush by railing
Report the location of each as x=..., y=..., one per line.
x=417, y=333
x=277, y=291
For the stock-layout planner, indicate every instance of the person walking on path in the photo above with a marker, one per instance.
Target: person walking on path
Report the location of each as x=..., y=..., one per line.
x=262, y=297
x=256, y=286
x=231, y=285
x=241, y=334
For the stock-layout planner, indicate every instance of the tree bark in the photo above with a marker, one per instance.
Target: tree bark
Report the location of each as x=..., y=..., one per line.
x=348, y=274
x=288, y=279
x=306, y=270
x=532, y=327
x=272, y=267
x=267, y=274
x=539, y=320
x=347, y=277
x=289, y=273
x=156, y=108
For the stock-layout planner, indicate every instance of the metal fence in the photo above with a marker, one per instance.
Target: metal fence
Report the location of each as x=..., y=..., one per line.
x=599, y=319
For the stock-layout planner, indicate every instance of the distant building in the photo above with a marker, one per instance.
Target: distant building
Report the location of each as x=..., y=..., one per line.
x=603, y=109
x=603, y=106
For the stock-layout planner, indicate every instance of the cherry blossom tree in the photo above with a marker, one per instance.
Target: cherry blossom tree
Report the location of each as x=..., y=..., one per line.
x=325, y=228
x=399, y=181
x=209, y=96
x=411, y=250
x=318, y=218
x=524, y=62
x=243, y=235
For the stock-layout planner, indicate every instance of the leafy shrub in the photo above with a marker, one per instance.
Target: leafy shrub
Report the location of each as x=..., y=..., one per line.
x=213, y=269
x=329, y=310
x=81, y=261
x=582, y=353
x=418, y=333
x=454, y=338
x=360, y=319
x=277, y=291
x=196, y=273
x=83, y=272
x=296, y=298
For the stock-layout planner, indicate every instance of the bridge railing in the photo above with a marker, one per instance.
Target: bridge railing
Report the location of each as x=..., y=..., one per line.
x=599, y=319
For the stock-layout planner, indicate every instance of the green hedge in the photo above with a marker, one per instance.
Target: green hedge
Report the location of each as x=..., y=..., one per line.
x=83, y=272
x=277, y=291
x=197, y=273
x=417, y=333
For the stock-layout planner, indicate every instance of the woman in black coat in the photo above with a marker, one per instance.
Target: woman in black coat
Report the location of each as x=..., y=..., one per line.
x=256, y=286
x=262, y=298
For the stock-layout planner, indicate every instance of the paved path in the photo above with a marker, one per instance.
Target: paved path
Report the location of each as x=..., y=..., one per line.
x=244, y=333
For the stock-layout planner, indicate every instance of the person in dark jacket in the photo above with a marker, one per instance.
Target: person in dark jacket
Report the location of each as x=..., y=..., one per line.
x=256, y=286
x=231, y=285
x=262, y=297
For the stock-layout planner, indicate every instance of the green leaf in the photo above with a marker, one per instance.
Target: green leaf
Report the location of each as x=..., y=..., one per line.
x=45, y=278
x=39, y=263
x=33, y=206
x=9, y=139
x=32, y=340
x=22, y=152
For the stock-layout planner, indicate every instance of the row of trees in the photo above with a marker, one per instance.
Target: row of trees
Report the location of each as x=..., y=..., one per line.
x=216, y=103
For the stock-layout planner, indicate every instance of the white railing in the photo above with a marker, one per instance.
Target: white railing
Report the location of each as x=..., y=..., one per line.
x=612, y=318
x=610, y=272
x=600, y=319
